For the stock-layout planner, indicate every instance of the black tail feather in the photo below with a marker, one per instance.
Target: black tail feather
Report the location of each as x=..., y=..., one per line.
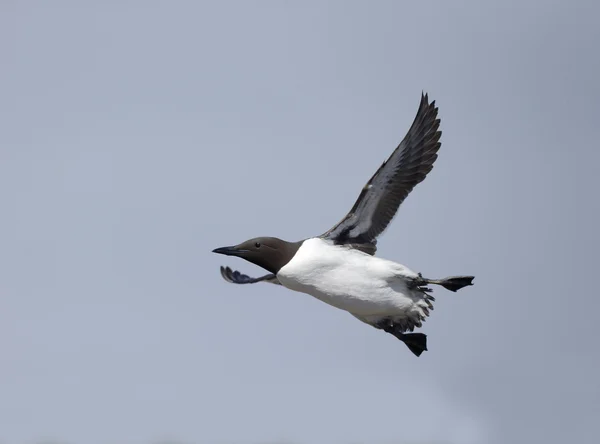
x=416, y=342
x=455, y=283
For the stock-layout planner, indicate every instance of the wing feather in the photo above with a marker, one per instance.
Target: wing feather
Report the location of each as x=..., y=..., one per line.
x=235, y=277
x=380, y=198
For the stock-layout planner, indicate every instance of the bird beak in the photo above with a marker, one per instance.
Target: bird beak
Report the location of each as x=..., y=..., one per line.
x=230, y=251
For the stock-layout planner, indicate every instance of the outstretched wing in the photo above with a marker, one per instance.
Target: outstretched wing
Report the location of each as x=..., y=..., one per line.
x=394, y=180
x=235, y=277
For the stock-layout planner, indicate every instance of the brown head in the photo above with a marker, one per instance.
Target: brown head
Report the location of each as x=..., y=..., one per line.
x=270, y=253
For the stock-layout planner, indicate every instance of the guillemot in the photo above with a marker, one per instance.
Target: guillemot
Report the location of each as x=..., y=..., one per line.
x=339, y=267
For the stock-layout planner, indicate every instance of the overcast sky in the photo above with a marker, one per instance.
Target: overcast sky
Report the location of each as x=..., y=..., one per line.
x=135, y=137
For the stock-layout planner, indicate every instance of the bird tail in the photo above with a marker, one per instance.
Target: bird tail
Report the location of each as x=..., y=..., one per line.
x=416, y=342
x=453, y=283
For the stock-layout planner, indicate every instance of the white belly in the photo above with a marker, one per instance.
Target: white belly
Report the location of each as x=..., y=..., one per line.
x=348, y=279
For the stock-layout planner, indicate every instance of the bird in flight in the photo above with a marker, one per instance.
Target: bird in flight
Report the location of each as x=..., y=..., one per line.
x=339, y=267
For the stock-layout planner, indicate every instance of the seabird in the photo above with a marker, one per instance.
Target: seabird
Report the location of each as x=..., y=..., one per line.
x=339, y=267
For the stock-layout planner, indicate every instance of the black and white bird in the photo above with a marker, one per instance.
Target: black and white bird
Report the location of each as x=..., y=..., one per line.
x=339, y=267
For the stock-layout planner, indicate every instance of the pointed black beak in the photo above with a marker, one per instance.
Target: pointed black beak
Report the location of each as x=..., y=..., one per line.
x=229, y=251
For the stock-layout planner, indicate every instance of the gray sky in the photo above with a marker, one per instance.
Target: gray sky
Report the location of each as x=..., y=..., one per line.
x=137, y=136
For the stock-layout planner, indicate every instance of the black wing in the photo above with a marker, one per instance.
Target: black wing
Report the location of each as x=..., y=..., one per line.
x=235, y=277
x=386, y=190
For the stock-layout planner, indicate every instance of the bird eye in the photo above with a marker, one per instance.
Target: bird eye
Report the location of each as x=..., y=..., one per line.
x=257, y=244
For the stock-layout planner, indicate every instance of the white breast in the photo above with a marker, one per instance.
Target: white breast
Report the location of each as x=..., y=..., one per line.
x=350, y=280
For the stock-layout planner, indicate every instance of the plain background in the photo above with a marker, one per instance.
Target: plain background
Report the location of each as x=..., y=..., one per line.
x=135, y=137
